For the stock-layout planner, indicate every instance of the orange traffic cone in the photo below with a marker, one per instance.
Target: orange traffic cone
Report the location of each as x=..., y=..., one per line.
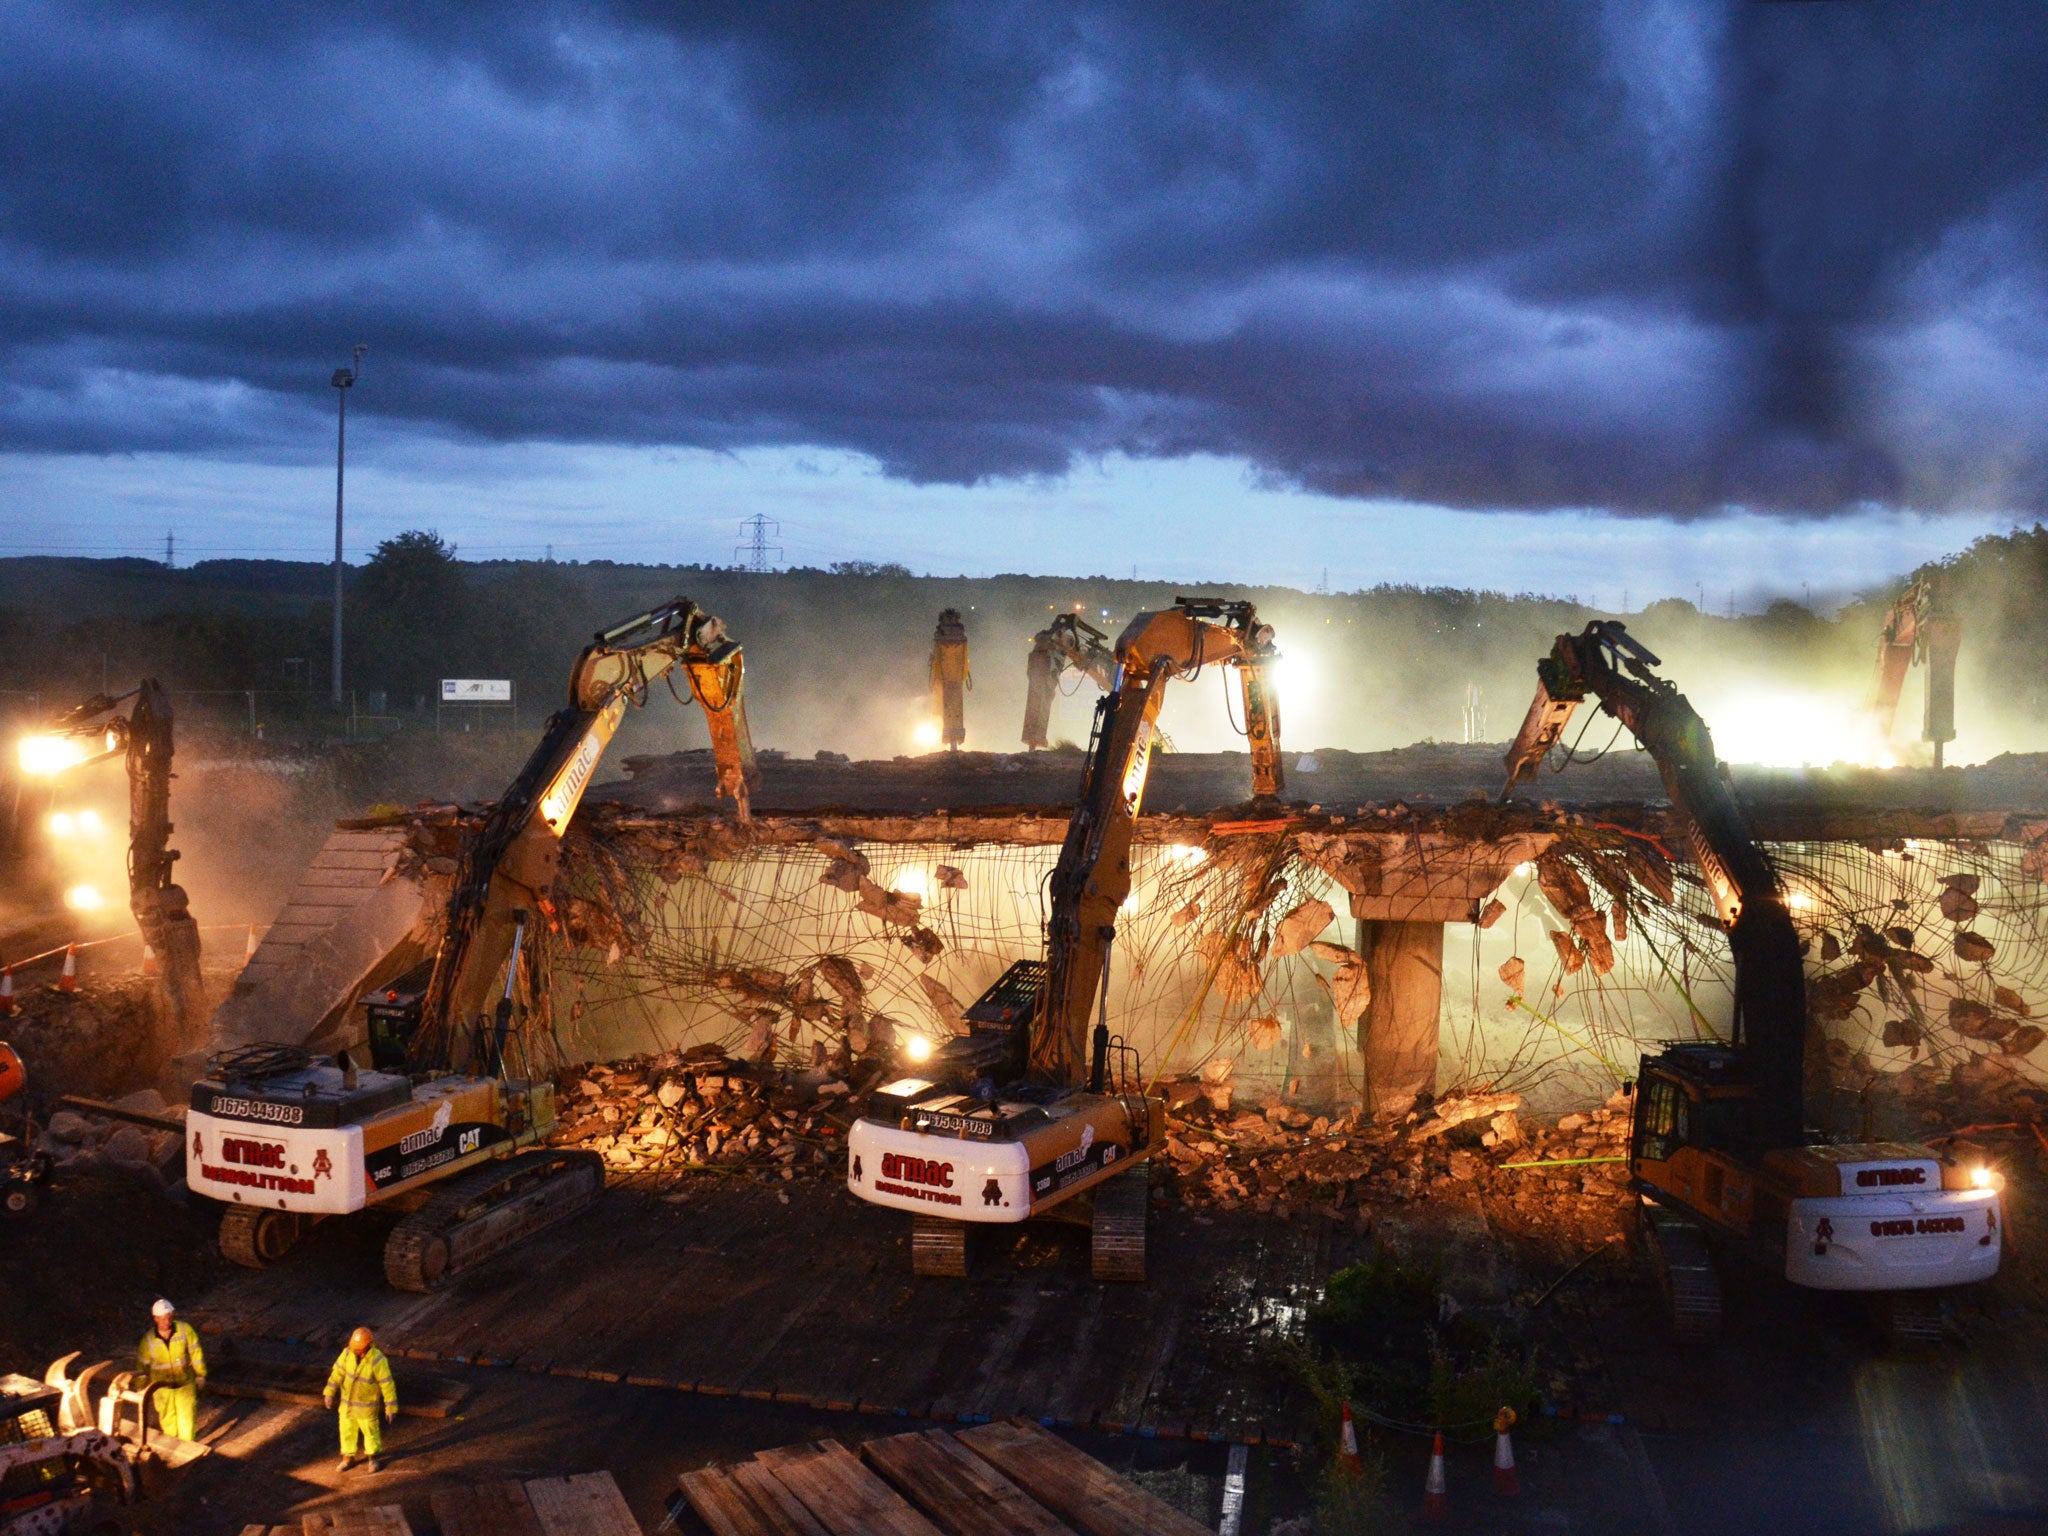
x=1436, y=1506
x=1504, y=1479
x=149, y=966
x=249, y=949
x=6, y=992
x=1348, y=1461
x=68, y=982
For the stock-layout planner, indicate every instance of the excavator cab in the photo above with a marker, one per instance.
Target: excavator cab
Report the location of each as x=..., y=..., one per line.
x=997, y=1044
x=392, y=1017
x=1693, y=1140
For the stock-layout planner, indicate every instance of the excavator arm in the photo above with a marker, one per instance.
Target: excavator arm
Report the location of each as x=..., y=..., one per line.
x=1919, y=628
x=951, y=678
x=162, y=911
x=1093, y=875
x=509, y=867
x=1068, y=642
x=1610, y=665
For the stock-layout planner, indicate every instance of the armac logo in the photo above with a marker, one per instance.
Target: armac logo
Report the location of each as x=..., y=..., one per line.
x=251, y=1154
x=917, y=1170
x=1887, y=1178
x=247, y=1157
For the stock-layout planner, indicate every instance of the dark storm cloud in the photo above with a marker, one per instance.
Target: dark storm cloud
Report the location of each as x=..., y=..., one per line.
x=1656, y=258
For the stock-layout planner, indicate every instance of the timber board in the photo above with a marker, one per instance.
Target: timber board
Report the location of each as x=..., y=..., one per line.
x=846, y=1497
x=724, y=1506
x=1073, y=1484
x=962, y=1493
x=588, y=1504
x=357, y=1520
x=734, y=1292
x=488, y=1509
x=775, y=1500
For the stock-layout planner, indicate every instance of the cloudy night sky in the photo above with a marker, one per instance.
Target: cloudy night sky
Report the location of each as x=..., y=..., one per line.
x=1639, y=298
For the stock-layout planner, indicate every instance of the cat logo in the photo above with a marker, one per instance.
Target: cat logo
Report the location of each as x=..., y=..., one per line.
x=197, y=1150
x=992, y=1194
x=469, y=1141
x=323, y=1166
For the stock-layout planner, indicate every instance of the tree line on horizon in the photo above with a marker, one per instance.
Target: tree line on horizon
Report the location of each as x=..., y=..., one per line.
x=822, y=645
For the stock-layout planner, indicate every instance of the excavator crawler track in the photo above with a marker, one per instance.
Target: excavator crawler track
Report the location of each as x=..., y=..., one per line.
x=257, y=1239
x=938, y=1247
x=485, y=1212
x=1116, y=1241
x=1678, y=1251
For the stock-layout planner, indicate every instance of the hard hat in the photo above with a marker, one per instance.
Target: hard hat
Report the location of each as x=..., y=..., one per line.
x=162, y=1308
x=360, y=1339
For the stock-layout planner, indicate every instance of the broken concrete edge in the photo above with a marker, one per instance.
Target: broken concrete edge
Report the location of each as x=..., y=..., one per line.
x=714, y=834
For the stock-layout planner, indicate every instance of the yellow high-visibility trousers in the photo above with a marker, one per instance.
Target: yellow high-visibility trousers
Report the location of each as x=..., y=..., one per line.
x=368, y=1426
x=175, y=1409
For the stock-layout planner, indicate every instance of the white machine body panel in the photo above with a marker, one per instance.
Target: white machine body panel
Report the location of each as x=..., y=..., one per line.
x=1903, y=1239
x=948, y=1164
x=938, y=1175
x=283, y=1168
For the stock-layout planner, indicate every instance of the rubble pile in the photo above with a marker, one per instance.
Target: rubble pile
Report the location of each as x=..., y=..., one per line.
x=699, y=1109
x=1277, y=1158
x=76, y=1141
x=104, y=1039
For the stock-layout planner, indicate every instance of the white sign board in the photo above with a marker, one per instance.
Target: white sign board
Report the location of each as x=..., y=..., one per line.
x=476, y=690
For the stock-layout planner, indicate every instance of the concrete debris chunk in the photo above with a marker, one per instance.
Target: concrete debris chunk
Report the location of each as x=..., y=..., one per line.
x=1456, y=1110
x=900, y=908
x=1293, y=933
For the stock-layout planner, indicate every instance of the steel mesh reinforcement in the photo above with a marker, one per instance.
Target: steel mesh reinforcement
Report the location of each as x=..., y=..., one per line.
x=1926, y=959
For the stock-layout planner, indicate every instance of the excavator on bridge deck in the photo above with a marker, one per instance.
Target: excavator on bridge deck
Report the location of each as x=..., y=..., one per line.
x=1029, y=1114
x=1920, y=627
x=1068, y=644
x=1720, y=1152
x=438, y=1124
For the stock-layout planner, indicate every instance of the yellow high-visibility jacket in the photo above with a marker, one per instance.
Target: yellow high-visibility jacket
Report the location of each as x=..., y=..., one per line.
x=174, y=1362
x=360, y=1383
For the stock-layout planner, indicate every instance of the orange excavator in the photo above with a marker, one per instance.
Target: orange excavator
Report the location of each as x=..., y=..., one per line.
x=1919, y=628
x=1030, y=1113
x=1720, y=1152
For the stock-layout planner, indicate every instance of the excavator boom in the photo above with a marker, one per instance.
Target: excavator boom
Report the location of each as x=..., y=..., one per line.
x=509, y=867
x=1069, y=642
x=951, y=678
x=162, y=911
x=1093, y=875
x=1919, y=628
x=1609, y=664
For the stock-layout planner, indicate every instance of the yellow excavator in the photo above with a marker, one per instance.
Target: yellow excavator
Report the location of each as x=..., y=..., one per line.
x=951, y=678
x=437, y=1123
x=1029, y=1114
x=1720, y=1152
x=1920, y=627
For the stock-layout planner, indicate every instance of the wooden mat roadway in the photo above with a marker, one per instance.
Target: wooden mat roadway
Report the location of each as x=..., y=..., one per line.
x=1005, y=1479
x=586, y=1505
x=812, y=1302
